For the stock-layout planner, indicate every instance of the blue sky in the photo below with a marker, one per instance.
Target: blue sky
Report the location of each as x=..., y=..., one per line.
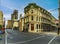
x=7, y=6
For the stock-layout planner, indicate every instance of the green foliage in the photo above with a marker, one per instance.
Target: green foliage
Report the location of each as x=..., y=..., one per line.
x=0, y=26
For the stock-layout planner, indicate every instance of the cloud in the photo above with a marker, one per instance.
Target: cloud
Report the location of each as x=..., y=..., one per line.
x=12, y=5
x=7, y=7
x=7, y=4
x=7, y=16
x=54, y=12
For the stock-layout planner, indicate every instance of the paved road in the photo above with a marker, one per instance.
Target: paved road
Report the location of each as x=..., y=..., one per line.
x=56, y=40
x=3, y=39
x=16, y=37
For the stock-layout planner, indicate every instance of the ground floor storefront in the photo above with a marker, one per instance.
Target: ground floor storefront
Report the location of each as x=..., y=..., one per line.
x=38, y=27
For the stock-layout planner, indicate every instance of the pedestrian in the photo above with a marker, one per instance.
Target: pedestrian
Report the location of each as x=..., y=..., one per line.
x=3, y=30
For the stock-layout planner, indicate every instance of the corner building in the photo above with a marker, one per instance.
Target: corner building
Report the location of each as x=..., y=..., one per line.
x=36, y=19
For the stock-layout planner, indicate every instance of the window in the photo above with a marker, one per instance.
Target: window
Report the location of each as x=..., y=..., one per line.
x=39, y=26
x=28, y=25
x=44, y=11
x=31, y=11
x=36, y=26
x=28, y=19
x=37, y=18
x=31, y=17
x=41, y=10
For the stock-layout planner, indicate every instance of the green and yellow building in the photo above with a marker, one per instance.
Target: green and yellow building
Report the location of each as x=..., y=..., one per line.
x=1, y=19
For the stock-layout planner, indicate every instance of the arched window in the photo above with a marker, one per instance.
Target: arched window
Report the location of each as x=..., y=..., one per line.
x=31, y=17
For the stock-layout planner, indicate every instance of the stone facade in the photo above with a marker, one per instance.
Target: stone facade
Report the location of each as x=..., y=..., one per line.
x=37, y=19
x=14, y=18
x=9, y=24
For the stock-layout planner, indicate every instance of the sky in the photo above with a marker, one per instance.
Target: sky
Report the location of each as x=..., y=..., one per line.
x=8, y=6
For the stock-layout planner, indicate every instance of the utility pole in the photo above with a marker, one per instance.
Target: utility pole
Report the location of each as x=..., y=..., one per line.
x=59, y=17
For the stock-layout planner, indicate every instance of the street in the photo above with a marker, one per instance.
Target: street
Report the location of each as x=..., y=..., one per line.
x=30, y=21
x=16, y=37
x=2, y=41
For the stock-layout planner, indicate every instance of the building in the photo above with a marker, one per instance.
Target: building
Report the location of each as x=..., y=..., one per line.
x=36, y=19
x=14, y=15
x=20, y=23
x=9, y=24
x=14, y=18
x=1, y=18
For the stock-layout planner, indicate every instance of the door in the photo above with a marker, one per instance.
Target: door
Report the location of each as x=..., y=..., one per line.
x=32, y=27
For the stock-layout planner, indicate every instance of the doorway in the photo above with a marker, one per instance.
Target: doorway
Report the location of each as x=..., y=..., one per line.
x=32, y=27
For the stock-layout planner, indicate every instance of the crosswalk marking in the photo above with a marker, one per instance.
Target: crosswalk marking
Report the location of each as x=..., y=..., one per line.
x=5, y=37
x=52, y=40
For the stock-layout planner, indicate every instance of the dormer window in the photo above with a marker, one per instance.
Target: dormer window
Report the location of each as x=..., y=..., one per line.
x=44, y=11
x=38, y=8
x=31, y=6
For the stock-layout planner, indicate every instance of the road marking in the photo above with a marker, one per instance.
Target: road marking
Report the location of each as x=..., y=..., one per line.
x=28, y=40
x=5, y=36
x=52, y=40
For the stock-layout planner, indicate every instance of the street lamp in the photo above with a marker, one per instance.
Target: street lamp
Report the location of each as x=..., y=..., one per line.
x=5, y=31
x=59, y=17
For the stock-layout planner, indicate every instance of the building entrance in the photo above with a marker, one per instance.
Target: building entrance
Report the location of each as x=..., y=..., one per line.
x=32, y=27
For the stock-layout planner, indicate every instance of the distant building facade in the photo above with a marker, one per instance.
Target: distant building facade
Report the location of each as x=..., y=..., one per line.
x=14, y=18
x=1, y=18
x=9, y=24
x=14, y=15
x=36, y=19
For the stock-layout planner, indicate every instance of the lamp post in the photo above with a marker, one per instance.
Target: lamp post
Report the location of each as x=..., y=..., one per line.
x=59, y=17
x=5, y=32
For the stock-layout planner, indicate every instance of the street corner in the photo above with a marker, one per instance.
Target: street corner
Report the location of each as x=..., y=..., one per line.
x=58, y=34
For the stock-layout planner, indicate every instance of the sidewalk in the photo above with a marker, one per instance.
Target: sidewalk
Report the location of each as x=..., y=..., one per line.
x=50, y=33
x=3, y=39
x=47, y=33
